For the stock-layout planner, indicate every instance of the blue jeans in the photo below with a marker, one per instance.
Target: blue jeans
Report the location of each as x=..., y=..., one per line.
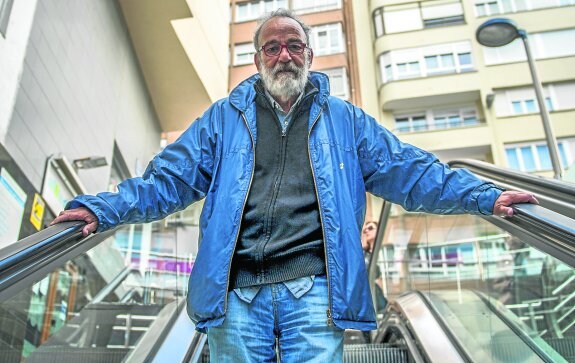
x=249, y=331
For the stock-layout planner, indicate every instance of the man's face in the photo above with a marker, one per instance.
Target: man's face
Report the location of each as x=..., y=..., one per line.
x=283, y=75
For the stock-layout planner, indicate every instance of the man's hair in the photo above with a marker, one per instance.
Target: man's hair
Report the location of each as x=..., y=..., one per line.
x=282, y=13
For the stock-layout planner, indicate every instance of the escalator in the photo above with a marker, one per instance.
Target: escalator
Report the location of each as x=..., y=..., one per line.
x=64, y=298
x=458, y=288
x=502, y=289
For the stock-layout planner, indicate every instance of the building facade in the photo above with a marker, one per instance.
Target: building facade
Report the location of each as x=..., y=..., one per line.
x=331, y=38
x=439, y=89
x=90, y=90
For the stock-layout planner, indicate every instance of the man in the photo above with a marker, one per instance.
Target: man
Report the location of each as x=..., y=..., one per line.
x=284, y=168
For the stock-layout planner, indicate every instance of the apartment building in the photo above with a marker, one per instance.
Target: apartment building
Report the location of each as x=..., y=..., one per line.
x=439, y=89
x=332, y=31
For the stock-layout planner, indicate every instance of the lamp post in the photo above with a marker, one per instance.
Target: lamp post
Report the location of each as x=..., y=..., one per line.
x=498, y=32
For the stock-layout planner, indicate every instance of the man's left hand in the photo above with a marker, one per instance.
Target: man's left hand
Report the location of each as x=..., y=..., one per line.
x=503, y=204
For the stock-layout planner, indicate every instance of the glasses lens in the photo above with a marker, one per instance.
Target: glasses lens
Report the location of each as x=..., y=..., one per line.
x=296, y=48
x=274, y=49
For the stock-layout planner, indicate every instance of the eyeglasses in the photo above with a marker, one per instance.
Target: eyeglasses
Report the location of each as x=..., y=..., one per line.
x=274, y=49
x=368, y=228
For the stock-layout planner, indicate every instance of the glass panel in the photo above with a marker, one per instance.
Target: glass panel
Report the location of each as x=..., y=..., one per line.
x=517, y=108
x=441, y=122
x=530, y=106
x=544, y=157
x=402, y=124
x=512, y=159
x=528, y=159
x=464, y=59
x=401, y=18
x=378, y=22
x=464, y=264
x=99, y=304
x=454, y=121
x=431, y=62
x=447, y=61
x=562, y=154
x=419, y=123
x=471, y=120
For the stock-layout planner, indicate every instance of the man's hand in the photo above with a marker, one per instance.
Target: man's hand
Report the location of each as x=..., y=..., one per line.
x=502, y=206
x=79, y=214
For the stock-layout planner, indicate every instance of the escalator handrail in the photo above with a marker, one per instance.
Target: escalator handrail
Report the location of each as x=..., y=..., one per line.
x=553, y=188
x=550, y=186
x=544, y=229
x=25, y=248
x=26, y=260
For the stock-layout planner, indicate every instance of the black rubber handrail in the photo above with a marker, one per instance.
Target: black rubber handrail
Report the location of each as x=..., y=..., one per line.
x=556, y=195
x=29, y=259
x=556, y=188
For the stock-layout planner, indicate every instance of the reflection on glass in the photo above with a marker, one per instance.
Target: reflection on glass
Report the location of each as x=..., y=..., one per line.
x=100, y=303
x=457, y=255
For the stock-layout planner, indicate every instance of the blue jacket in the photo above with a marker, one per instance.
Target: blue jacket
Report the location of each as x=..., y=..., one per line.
x=350, y=154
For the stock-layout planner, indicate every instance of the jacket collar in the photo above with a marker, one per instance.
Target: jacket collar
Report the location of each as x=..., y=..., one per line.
x=244, y=94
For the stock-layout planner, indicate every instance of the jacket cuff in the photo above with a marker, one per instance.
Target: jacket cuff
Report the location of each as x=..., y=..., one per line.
x=486, y=199
x=80, y=202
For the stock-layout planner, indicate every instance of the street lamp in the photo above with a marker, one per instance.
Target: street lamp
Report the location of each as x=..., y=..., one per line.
x=498, y=32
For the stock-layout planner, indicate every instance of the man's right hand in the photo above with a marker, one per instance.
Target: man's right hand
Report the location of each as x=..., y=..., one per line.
x=79, y=214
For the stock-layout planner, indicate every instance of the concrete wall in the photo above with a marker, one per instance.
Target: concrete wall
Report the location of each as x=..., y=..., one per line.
x=12, y=51
x=81, y=89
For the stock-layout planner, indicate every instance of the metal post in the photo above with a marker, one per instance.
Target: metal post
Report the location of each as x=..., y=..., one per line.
x=549, y=136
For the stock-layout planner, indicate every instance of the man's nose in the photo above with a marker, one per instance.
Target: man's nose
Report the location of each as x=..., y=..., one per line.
x=284, y=56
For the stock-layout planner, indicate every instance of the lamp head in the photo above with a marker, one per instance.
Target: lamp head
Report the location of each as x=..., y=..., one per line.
x=497, y=32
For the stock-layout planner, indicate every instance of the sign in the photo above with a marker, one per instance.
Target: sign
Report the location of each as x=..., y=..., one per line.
x=13, y=200
x=37, y=214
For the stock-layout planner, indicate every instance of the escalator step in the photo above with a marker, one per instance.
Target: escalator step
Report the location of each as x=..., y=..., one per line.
x=367, y=353
x=75, y=355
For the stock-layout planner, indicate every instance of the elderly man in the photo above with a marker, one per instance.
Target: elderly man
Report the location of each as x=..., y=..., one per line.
x=284, y=168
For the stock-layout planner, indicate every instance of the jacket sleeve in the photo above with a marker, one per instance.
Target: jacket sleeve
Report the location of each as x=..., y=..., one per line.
x=404, y=174
x=175, y=178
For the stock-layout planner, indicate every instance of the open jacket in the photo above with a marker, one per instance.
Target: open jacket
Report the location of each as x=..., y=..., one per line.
x=349, y=152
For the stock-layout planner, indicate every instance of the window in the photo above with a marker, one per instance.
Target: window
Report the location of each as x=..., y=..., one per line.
x=535, y=156
x=5, y=9
x=423, y=62
x=521, y=101
x=311, y=6
x=443, y=12
x=544, y=45
x=254, y=9
x=243, y=54
x=327, y=39
x=437, y=119
x=338, y=82
x=494, y=7
x=417, y=15
x=378, y=22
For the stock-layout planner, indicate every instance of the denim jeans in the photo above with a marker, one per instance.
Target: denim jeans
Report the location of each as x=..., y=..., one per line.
x=249, y=331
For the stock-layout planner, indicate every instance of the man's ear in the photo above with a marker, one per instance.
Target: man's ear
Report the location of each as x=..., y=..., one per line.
x=310, y=56
x=257, y=61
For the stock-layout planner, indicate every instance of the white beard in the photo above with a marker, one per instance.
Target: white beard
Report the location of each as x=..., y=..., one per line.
x=285, y=84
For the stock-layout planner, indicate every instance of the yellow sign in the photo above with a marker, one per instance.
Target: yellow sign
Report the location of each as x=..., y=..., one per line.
x=37, y=214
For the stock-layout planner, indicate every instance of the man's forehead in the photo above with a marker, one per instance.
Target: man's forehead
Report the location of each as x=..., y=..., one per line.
x=282, y=26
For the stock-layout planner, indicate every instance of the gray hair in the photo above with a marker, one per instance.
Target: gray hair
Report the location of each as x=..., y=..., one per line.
x=282, y=13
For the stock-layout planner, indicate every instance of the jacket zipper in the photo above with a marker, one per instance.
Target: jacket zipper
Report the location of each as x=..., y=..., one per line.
x=328, y=312
x=242, y=213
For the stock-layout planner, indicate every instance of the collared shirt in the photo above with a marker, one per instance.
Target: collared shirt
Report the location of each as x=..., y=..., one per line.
x=298, y=287
x=283, y=117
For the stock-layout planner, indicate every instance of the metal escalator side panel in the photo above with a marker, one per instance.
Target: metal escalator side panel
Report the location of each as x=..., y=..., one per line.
x=429, y=334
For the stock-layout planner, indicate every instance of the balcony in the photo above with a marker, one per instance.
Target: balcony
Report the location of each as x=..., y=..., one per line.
x=430, y=91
